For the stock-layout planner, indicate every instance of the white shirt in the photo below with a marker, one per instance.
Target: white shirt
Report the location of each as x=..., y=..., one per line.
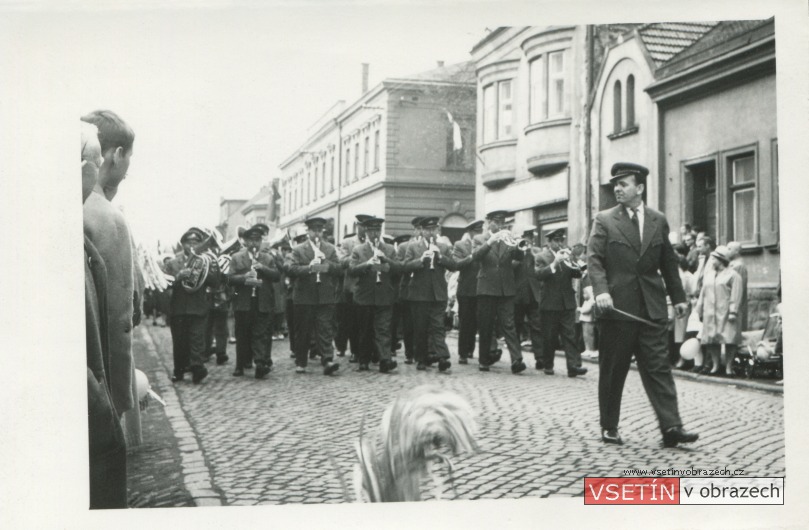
x=641, y=214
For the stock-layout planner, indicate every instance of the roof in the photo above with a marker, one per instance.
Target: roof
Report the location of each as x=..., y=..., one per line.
x=665, y=40
x=262, y=199
x=454, y=73
x=720, y=33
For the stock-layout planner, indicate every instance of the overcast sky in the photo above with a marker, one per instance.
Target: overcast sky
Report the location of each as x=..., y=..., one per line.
x=218, y=98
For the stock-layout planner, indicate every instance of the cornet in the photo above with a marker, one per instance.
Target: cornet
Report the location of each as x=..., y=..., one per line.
x=512, y=241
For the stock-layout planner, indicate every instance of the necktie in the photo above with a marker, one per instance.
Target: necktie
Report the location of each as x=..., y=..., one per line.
x=636, y=222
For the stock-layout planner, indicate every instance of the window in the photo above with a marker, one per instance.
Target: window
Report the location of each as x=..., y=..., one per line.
x=376, y=150
x=348, y=166
x=489, y=114
x=556, y=85
x=261, y=219
x=331, y=171
x=365, y=155
x=536, y=107
x=742, y=203
x=356, y=160
x=616, y=107
x=504, y=120
x=630, y=101
x=456, y=154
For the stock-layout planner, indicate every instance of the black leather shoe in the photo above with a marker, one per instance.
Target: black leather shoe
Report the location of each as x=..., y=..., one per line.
x=463, y=360
x=386, y=366
x=517, y=367
x=238, y=372
x=408, y=360
x=353, y=358
x=222, y=359
x=330, y=367
x=443, y=365
x=176, y=378
x=539, y=365
x=341, y=354
x=495, y=355
x=363, y=367
x=676, y=435
x=261, y=371
x=483, y=367
x=199, y=373
x=421, y=366
x=611, y=436
x=548, y=371
x=576, y=371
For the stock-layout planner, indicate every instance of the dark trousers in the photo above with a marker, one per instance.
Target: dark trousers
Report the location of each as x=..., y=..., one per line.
x=108, y=477
x=217, y=331
x=252, y=328
x=395, y=325
x=467, y=326
x=429, y=333
x=529, y=316
x=290, y=323
x=618, y=341
x=313, y=323
x=560, y=324
x=347, y=335
x=500, y=308
x=374, y=330
x=188, y=341
x=407, y=327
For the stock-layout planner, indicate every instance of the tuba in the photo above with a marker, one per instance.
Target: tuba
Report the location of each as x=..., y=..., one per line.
x=200, y=266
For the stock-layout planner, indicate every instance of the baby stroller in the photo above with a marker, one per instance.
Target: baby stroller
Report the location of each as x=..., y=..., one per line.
x=761, y=353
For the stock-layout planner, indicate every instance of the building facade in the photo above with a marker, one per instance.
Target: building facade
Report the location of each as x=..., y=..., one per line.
x=404, y=148
x=236, y=213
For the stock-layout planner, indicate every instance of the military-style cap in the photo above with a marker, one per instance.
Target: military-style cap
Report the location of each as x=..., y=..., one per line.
x=301, y=238
x=361, y=217
x=474, y=226
x=624, y=169
x=722, y=253
x=555, y=233
x=429, y=222
x=417, y=221
x=372, y=222
x=250, y=233
x=265, y=230
x=529, y=230
x=352, y=234
x=315, y=222
x=401, y=239
x=497, y=214
x=387, y=239
x=193, y=231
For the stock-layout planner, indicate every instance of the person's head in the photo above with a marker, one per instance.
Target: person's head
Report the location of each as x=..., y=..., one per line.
x=252, y=238
x=497, y=220
x=361, y=218
x=704, y=245
x=688, y=239
x=685, y=229
x=416, y=222
x=373, y=228
x=117, y=140
x=556, y=239
x=721, y=257
x=474, y=228
x=315, y=227
x=578, y=250
x=191, y=240
x=430, y=228
x=628, y=183
x=90, y=159
x=735, y=249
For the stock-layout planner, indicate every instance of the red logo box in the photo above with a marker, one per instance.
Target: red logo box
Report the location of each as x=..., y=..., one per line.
x=632, y=490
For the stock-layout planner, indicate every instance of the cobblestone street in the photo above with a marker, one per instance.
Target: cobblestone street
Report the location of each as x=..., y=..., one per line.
x=285, y=439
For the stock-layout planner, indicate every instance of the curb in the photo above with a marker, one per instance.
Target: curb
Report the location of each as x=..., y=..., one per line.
x=196, y=473
x=720, y=381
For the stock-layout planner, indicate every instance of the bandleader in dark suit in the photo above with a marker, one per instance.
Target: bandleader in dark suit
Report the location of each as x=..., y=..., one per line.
x=558, y=303
x=314, y=266
x=632, y=266
x=496, y=289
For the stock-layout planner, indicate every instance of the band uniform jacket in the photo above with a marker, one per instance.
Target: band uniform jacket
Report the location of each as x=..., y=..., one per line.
x=529, y=286
x=368, y=291
x=631, y=272
x=557, y=287
x=429, y=285
x=307, y=290
x=183, y=302
x=404, y=282
x=240, y=265
x=468, y=273
x=496, y=274
x=349, y=282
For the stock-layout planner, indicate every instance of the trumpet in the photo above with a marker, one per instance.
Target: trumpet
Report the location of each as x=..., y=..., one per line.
x=512, y=241
x=319, y=257
x=568, y=261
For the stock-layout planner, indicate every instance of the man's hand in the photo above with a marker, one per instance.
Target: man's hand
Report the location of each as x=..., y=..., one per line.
x=681, y=309
x=604, y=302
x=494, y=237
x=561, y=256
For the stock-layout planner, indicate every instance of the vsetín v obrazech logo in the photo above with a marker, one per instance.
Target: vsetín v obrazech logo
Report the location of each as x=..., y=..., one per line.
x=683, y=490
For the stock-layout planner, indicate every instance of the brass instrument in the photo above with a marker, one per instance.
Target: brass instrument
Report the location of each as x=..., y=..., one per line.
x=568, y=262
x=319, y=257
x=200, y=265
x=513, y=241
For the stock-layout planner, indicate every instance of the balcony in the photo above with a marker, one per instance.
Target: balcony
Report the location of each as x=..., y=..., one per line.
x=499, y=163
x=547, y=146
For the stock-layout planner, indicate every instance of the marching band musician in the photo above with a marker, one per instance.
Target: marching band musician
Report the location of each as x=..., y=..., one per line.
x=277, y=286
x=290, y=306
x=496, y=289
x=372, y=263
x=347, y=327
x=558, y=303
x=404, y=288
x=252, y=273
x=529, y=293
x=467, y=293
x=189, y=308
x=216, y=328
x=313, y=264
x=429, y=260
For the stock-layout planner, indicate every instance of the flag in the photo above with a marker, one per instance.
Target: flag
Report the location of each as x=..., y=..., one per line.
x=457, y=140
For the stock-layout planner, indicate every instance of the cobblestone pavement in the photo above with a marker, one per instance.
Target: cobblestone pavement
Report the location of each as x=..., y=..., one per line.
x=286, y=438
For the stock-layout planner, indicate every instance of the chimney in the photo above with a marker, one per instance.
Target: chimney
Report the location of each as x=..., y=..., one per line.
x=364, y=78
x=441, y=64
